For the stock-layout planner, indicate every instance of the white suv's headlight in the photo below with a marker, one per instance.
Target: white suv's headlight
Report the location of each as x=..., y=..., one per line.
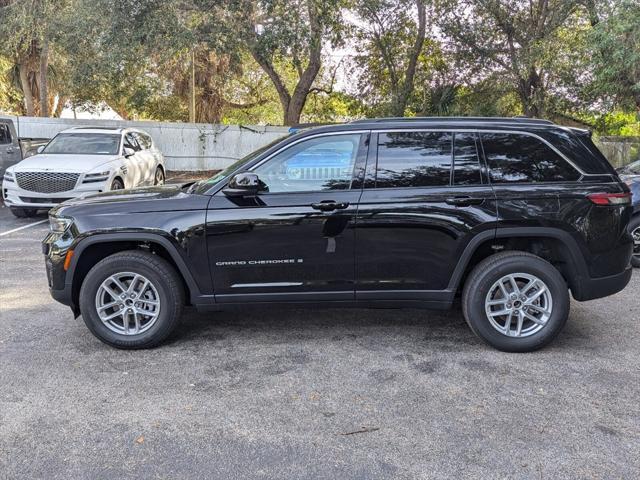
x=8, y=177
x=59, y=224
x=96, y=177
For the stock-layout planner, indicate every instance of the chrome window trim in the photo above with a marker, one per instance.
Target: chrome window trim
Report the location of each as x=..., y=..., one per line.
x=480, y=131
x=477, y=131
x=308, y=137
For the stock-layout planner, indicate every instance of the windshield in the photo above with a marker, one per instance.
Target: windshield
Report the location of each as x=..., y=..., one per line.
x=209, y=182
x=84, y=144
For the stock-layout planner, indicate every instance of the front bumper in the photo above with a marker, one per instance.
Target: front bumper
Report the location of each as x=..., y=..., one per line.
x=14, y=196
x=588, y=288
x=55, y=247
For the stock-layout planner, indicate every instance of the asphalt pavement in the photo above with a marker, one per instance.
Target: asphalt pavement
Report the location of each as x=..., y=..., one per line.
x=302, y=393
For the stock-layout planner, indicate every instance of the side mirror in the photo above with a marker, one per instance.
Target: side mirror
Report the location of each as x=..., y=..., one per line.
x=128, y=152
x=40, y=149
x=245, y=184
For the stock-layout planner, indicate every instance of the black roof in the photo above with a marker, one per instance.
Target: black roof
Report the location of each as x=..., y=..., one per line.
x=492, y=120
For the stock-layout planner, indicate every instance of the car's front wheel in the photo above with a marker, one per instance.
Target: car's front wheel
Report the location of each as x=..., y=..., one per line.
x=23, y=212
x=515, y=301
x=634, y=228
x=132, y=299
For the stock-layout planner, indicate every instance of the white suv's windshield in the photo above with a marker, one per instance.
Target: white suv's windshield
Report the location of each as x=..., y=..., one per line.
x=84, y=144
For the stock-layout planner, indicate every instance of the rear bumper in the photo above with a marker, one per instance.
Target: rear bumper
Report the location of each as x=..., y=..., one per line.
x=592, y=288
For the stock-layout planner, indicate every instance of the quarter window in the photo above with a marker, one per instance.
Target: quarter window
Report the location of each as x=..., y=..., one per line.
x=518, y=158
x=414, y=159
x=466, y=164
x=316, y=164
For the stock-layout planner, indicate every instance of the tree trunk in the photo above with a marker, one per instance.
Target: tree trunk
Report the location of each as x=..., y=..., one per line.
x=26, y=89
x=532, y=95
x=401, y=98
x=44, y=65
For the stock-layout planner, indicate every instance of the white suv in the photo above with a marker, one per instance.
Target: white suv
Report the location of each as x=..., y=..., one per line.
x=82, y=161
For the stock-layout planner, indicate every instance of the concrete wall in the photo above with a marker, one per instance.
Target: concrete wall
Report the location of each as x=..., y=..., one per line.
x=620, y=151
x=186, y=146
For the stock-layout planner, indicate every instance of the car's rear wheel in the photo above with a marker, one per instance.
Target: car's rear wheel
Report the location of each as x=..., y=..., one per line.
x=23, y=212
x=516, y=301
x=634, y=228
x=132, y=300
x=158, y=178
x=117, y=184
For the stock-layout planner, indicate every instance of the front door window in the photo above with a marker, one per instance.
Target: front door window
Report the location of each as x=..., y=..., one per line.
x=314, y=165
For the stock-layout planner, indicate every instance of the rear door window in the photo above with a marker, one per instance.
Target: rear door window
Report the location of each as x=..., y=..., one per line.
x=520, y=158
x=466, y=162
x=414, y=159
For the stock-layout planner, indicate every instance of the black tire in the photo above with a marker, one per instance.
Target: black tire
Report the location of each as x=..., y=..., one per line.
x=23, y=212
x=158, y=178
x=161, y=274
x=488, y=272
x=634, y=228
x=117, y=184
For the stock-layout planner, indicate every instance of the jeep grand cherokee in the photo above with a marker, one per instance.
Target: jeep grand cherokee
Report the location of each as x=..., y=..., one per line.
x=509, y=214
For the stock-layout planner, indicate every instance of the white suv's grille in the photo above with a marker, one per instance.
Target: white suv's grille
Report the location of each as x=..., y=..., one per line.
x=47, y=182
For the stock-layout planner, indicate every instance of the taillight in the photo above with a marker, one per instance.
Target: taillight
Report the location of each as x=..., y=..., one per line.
x=610, y=198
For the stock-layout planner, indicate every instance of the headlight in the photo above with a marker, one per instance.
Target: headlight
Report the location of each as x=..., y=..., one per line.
x=59, y=224
x=96, y=177
x=8, y=177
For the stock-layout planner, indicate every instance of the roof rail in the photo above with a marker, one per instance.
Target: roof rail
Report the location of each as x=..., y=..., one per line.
x=527, y=120
x=85, y=127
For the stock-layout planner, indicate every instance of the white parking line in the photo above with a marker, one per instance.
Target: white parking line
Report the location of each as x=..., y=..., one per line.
x=23, y=227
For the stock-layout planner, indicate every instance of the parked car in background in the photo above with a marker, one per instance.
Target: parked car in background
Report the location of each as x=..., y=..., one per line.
x=631, y=176
x=79, y=162
x=509, y=215
x=12, y=148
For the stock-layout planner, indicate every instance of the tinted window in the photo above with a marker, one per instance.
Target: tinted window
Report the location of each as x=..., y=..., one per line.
x=466, y=165
x=517, y=158
x=130, y=142
x=322, y=163
x=84, y=144
x=413, y=159
x=143, y=140
x=5, y=135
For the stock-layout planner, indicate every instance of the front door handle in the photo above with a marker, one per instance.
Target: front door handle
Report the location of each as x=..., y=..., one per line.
x=464, y=201
x=10, y=150
x=329, y=205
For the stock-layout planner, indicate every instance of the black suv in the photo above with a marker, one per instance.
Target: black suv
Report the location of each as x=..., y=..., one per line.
x=510, y=214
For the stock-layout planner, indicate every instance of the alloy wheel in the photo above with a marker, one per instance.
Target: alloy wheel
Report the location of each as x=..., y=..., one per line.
x=519, y=305
x=636, y=242
x=159, y=178
x=128, y=303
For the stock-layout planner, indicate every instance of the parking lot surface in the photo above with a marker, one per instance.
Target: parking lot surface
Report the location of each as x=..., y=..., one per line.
x=330, y=394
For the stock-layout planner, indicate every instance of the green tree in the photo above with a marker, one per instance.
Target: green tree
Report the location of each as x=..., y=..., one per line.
x=615, y=42
x=390, y=35
x=516, y=38
x=283, y=34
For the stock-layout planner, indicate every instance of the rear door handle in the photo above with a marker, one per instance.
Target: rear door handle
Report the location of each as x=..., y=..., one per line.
x=464, y=201
x=329, y=205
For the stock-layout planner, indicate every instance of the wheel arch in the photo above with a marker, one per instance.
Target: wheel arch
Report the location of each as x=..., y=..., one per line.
x=552, y=244
x=91, y=250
